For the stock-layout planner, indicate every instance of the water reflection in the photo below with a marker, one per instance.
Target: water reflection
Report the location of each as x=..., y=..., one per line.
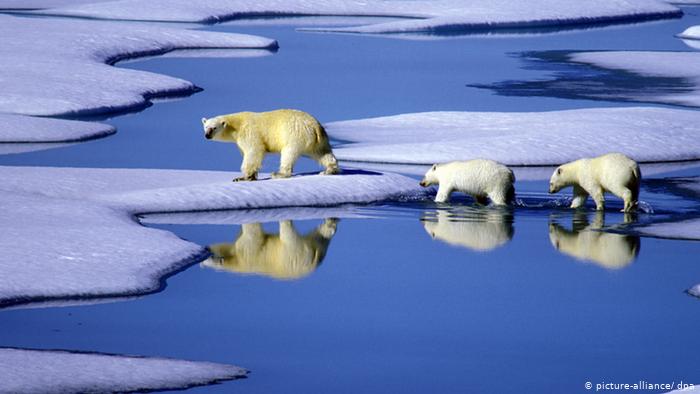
x=586, y=242
x=284, y=255
x=475, y=228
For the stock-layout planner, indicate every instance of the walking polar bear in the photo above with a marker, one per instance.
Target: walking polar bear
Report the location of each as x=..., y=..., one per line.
x=613, y=172
x=479, y=178
x=289, y=132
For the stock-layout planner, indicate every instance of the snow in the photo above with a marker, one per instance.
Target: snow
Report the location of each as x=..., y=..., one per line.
x=691, y=33
x=241, y=216
x=683, y=229
x=39, y=4
x=525, y=138
x=417, y=15
x=60, y=66
x=25, y=129
x=664, y=64
x=71, y=233
x=54, y=371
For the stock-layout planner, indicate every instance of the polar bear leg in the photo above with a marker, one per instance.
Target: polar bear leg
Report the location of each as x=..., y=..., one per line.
x=580, y=197
x=252, y=161
x=443, y=194
x=327, y=228
x=330, y=163
x=288, y=234
x=287, y=159
x=599, y=199
x=626, y=195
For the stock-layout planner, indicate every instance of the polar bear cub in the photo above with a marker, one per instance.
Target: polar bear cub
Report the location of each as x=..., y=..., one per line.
x=289, y=132
x=479, y=178
x=614, y=173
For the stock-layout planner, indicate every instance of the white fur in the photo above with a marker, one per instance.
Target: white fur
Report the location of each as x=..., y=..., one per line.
x=287, y=255
x=289, y=132
x=483, y=231
x=611, y=251
x=614, y=173
x=479, y=178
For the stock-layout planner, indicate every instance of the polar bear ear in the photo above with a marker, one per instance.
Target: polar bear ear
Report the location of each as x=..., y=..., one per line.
x=434, y=167
x=559, y=171
x=204, y=120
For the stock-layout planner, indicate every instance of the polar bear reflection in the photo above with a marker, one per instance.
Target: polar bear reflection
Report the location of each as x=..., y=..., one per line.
x=287, y=255
x=479, y=229
x=585, y=242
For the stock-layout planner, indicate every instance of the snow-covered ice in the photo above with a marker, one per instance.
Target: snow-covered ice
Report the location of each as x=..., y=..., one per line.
x=241, y=216
x=416, y=15
x=62, y=67
x=691, y=33
x=24, y=371
x=25, y=129
x=526, y=138
x=71, y=233
x=683, y=229
x=684, y=66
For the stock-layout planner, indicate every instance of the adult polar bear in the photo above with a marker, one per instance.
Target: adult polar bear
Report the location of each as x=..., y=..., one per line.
x=290, y=132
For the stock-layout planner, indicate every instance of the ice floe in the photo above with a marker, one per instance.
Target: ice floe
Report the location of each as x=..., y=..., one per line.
x=695, y=290
x=62, y=67
x=29, y=129
x=53, y=371
x=416, y=16
x=71, y=233
x=688, y=229
x=241, y=216
x=681, y=66
x=520, y=139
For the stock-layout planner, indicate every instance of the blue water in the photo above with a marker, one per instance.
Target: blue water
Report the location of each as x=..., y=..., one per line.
x=390, y=308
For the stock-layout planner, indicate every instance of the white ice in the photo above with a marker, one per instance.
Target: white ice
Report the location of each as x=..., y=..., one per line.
x=664, y=64
x=685, y=229
x=417, y=15
x=24, y=371
x=72, y=233
x=695, y=290
x=30, y=129
x=58, y=66
x=525, y=138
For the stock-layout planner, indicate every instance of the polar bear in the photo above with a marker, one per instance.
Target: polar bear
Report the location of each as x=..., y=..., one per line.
x=287, y=255
x=290, y=132
x=586, y=242
x=613, y=172
x=480, y=230
x=480, y=178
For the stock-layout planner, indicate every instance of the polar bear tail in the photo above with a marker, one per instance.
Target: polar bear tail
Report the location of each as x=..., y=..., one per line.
x=321, y=134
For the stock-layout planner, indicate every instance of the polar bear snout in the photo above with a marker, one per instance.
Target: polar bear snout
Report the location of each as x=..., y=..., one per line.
x=209, y=133
x=424, y=183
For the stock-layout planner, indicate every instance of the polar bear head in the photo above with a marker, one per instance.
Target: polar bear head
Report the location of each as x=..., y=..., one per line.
x=431, y=177
x=557, y=181
x=213, y=126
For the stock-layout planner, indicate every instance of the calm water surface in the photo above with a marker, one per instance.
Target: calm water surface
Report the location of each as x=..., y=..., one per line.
x=418, y=299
